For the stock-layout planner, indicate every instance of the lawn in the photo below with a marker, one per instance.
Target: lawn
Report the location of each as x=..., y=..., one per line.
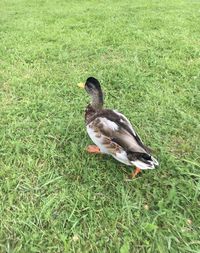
x=54, y=196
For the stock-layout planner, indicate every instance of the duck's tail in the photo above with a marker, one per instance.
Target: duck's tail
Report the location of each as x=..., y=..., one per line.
x=144, y=161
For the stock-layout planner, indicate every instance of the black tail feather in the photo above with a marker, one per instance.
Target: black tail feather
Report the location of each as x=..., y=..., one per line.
x=144, y=157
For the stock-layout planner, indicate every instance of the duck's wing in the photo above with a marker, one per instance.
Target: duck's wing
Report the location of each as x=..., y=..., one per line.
x=117, y=129
x=126, y=124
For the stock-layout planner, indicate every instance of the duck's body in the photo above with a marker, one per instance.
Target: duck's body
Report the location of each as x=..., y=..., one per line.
x=113, y=133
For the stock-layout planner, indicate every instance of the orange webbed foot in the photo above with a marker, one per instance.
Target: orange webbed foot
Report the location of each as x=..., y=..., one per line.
x=135, y=172
x=93, y=149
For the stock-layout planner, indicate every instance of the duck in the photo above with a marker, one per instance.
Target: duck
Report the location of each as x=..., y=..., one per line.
x=113, y=134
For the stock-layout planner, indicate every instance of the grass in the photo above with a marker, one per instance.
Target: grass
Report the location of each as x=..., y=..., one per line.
x=54, y=196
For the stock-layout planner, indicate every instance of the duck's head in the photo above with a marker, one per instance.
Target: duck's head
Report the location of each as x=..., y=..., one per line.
x=93, y=88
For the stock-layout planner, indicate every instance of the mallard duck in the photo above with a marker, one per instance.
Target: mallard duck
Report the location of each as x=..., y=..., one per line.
x=113, y=133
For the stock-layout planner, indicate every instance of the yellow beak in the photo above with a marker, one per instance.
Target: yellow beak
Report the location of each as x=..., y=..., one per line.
x=81, y=85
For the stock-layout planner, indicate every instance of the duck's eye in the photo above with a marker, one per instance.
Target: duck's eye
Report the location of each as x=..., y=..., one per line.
x=90, y=86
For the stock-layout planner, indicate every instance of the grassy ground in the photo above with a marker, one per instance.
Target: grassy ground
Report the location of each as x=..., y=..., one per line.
x=54, y=196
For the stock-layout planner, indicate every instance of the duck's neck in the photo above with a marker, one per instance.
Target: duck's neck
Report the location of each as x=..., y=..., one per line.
x=97, y=101
x=94, y=107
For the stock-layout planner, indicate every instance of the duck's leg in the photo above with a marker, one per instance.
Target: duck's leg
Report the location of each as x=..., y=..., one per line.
x=93, y=149
x=135, y=172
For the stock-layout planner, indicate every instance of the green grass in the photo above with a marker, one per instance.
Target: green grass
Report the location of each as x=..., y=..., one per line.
x=54, y=196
